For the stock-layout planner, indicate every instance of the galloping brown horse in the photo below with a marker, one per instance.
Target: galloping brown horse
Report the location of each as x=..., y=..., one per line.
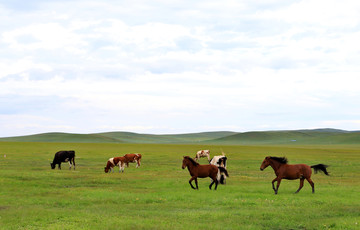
x=291, y=172
x=196, y=170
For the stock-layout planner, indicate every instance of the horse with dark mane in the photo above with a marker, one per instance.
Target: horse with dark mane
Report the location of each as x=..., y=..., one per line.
x=283, y=170
x=196, y=170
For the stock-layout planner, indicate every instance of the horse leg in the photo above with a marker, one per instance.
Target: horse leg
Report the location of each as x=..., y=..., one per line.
x=213, y=180
x=277, y=185
x=211, y=184
x=191, y=179
x=301, y=184
x=197, y=187
x=273, y=181
x=216, y=184
x=312, y=184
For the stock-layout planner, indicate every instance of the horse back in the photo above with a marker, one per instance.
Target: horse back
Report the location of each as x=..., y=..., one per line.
x=117, y=160
x=130, y=157
x=296, y=171
x=207, y=170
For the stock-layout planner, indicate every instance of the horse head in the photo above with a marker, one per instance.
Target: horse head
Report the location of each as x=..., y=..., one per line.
x=265, y=163
x=184, y=163
x=189, y=161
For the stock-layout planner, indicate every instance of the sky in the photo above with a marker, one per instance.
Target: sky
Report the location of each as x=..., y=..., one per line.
x=167, y=67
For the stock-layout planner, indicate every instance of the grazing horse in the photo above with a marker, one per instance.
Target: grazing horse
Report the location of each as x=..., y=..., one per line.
x=291, y=172
x=112, y=162
x=196, y=170
x=220, y=161
x=202, y=153
x=133, y=158
x=63, y=156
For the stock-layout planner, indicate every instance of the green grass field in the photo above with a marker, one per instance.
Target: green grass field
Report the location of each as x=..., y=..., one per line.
x=157, y=195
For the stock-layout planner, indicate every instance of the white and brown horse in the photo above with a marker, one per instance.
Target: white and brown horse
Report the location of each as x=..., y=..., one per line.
x=220, y=161
x=202, y=153
x=115, y=161
x=133, y=158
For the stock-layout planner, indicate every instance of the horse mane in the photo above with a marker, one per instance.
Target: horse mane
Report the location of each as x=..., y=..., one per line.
x=192, y=161
x=282, y=160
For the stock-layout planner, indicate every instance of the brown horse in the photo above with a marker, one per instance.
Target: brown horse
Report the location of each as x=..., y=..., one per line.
x=291, y=172
x=112, y=162
x=196, y=170
x=133, y=158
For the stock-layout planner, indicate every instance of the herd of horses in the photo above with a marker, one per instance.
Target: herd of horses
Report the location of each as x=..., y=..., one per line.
x=216, y=169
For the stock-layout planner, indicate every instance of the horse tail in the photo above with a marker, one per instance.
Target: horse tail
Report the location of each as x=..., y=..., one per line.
x=223, y=170
x=320, y=167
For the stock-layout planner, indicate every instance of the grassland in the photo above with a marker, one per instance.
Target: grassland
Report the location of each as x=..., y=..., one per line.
x=157, y=195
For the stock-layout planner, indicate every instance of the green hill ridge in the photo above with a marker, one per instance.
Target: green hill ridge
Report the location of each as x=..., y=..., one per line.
x=312, y=136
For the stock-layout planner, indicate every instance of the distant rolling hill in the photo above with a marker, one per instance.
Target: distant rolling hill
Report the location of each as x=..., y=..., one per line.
x=321, y=136
x=120, y=137
x=302, y=137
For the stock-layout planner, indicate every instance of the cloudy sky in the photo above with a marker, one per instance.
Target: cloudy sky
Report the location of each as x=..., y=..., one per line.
x=178, y=66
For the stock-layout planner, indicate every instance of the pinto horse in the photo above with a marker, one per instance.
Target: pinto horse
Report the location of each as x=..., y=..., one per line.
x=220, y=161
x=196, y=170
x=112, y=162
x=133, y=158
x=202, y=153
x=291, y=172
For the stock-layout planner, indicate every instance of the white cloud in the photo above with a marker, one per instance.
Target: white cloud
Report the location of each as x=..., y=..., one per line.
x=24, y=124
x=178, y=66
x=21, y=67
x=50, y=36
x=322, y=13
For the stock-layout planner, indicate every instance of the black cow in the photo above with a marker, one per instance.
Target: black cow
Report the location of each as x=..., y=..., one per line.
x=63, y=156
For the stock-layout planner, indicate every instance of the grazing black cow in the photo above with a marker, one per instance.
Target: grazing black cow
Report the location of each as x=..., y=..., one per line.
x=63, y=156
